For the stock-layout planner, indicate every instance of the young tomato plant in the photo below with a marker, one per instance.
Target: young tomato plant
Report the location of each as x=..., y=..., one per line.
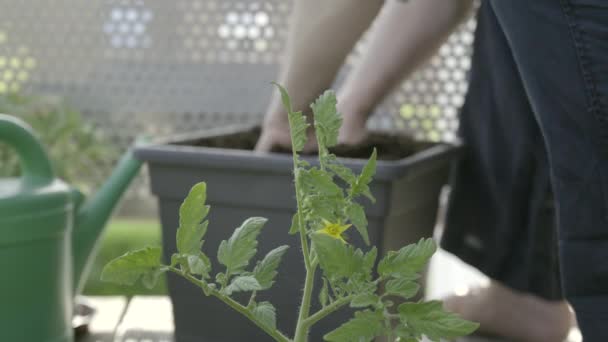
x=325, y=210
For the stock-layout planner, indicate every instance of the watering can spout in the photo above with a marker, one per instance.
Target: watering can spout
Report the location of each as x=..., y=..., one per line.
x=95, y=212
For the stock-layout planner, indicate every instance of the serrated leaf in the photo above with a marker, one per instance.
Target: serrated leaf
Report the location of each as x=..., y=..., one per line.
x=369, y=260
x=332, y=253
x=297, y=121
x=236, y=252
x=364, y=300
x=327, y=119
x=404, y=334
x=361, y=185
x=192, y=264
x=356, y=214
x=364, y=327
x=243, y=283
x=295, y=225
x=189, y=239
x=429, y=318
x=199, y=264
x=336, y=258
x=402, y=287
x=150, y=279
x=342, y=171
x=192, y=212
x=408, y=261
x=266, y=270
x=324, y=294
x=320, y=207
x=140, y=264
x=266, y=313
x=297, y=128
x=320, y=182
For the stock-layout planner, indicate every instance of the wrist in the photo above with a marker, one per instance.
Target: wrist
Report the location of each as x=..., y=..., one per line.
x=353, y=119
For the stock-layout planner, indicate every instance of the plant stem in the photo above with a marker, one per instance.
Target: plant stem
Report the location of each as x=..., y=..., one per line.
x=301, y=333
x=273, y=332
x=317, y=316
x=302, y=329
x=251, y=299
x=389, y=328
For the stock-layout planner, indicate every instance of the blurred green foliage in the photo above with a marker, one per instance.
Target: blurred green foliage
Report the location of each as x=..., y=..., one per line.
x=76, y=149
x=121, y=236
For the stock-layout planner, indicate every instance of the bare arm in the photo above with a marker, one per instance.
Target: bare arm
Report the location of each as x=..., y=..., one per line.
x=403, y=37
x=324, y=32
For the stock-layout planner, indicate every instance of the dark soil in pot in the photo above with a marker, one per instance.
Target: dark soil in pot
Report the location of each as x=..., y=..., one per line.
x=390, y=146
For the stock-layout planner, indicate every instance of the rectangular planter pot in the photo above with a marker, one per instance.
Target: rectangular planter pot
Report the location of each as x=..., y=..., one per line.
x=241, y=184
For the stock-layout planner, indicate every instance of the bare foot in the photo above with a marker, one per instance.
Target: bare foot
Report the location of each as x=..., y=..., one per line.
x=513, y=315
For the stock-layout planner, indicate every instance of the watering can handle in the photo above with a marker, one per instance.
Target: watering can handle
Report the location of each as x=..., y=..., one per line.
x=35, y=165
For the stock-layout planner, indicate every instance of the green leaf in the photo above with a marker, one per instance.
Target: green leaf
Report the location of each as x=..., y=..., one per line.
x=402, y=287
x=243, y=283
x=364, y=300
x=361, y=185
x=266, y=270
x=149, y=279
x=192, y=264
x=191, y=226
x=266, y=313
x=408, y=260
x=338, y=259
x=364, y=327
x=327, y=119
x=324, y=294
x=318, y=207
x=356, y=214
x=341, y=171
x=295, y=225
x=404, y=334
x=236, y=252
x=127, y=269
x=298, y=127
x=429, y=318
x=199, y=264
x=332, y=253
x=297, y=121
x=369, y=260
x=320, y=182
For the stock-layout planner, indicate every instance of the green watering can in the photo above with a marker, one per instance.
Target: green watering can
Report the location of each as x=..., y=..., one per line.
x=48, y=235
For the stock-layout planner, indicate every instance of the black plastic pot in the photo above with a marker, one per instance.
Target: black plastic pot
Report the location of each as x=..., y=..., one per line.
x=241, y=184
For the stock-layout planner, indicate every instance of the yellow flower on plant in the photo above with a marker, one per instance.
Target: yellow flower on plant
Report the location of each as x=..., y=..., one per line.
x=334, y=230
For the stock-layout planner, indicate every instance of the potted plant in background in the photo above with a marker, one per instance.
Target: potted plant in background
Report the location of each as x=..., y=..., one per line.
x=244, y=184
x=75, y=147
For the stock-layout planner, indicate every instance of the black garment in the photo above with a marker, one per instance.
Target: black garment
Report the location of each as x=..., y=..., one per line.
x=558, y=51
x=500, y=217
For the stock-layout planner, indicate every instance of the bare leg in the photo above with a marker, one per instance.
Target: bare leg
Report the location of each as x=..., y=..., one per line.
x=514, y=315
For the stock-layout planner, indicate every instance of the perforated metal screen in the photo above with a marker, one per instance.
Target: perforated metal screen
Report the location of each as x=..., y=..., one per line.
x=426, y=105
x=157, y=67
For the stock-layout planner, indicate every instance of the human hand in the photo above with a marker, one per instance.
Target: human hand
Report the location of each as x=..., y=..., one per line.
x=275, y=138
x=353, y=131
x=275, y=133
